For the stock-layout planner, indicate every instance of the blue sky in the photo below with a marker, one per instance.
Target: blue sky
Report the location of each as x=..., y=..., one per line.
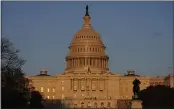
x=138, y=35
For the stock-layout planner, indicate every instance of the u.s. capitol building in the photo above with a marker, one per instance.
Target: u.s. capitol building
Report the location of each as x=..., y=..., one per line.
x=87, y=81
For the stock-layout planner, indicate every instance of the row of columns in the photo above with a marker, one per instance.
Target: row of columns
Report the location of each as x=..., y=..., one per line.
x=87, y=49
x=95, y=62
x=88, y=84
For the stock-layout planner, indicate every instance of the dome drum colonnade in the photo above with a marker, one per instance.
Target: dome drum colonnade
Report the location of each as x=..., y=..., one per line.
x=87, y=61
x=87, y=49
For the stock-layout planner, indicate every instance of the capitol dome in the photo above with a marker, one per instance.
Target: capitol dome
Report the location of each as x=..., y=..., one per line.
x=87, y=49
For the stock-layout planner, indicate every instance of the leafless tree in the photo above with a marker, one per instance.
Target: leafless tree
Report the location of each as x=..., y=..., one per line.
x=11, y=65
x=12, y=76
x=9, y=55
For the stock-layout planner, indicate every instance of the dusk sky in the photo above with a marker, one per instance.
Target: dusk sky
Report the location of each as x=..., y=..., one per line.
x=138, y=35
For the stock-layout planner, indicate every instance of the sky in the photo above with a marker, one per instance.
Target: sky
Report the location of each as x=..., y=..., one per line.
x=138, y=35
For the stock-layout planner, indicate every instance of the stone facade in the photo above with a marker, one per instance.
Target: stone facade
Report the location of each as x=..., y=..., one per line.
x=87, y=81
x=169, y=80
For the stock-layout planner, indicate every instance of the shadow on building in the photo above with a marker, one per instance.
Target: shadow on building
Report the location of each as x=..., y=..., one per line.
x=55, y=104
x=124, y=104
x=60, y=104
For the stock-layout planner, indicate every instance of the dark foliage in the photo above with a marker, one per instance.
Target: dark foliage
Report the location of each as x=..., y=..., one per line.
x=36, y=100
x=157, y=97
x=15, y=88
x=13, y=99
x=54, y=104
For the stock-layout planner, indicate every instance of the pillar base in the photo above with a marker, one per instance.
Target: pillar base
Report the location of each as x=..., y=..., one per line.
x=136, y=104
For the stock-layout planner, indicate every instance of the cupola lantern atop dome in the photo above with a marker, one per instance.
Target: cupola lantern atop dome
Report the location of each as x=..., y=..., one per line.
x=87, y=18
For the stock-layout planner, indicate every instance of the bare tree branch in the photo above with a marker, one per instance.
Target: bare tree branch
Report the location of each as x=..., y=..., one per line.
x=9, y=55
x=11, y=63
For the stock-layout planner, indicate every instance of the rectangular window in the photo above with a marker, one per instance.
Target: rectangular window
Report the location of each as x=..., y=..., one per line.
x=75, y=88
x=74, y=95
x=53, y=90
x=48, y=90
x=101, y=85
x=93, y=85
x=82, y=85
x=62, y=88
x=53, y=97
x=41, y=89
x=48, y=97
x=83, y=95
x=62, y=96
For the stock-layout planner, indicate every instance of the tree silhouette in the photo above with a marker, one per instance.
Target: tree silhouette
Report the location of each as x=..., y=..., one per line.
x=157, y=97
x=36, y=100
x=15, y=90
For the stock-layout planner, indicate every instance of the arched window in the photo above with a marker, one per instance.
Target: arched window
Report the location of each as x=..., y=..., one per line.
x=82, y=105
x=89, y=104
x=75, y=105
x=109, y=105
x=102, y=104
x=95, y=105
